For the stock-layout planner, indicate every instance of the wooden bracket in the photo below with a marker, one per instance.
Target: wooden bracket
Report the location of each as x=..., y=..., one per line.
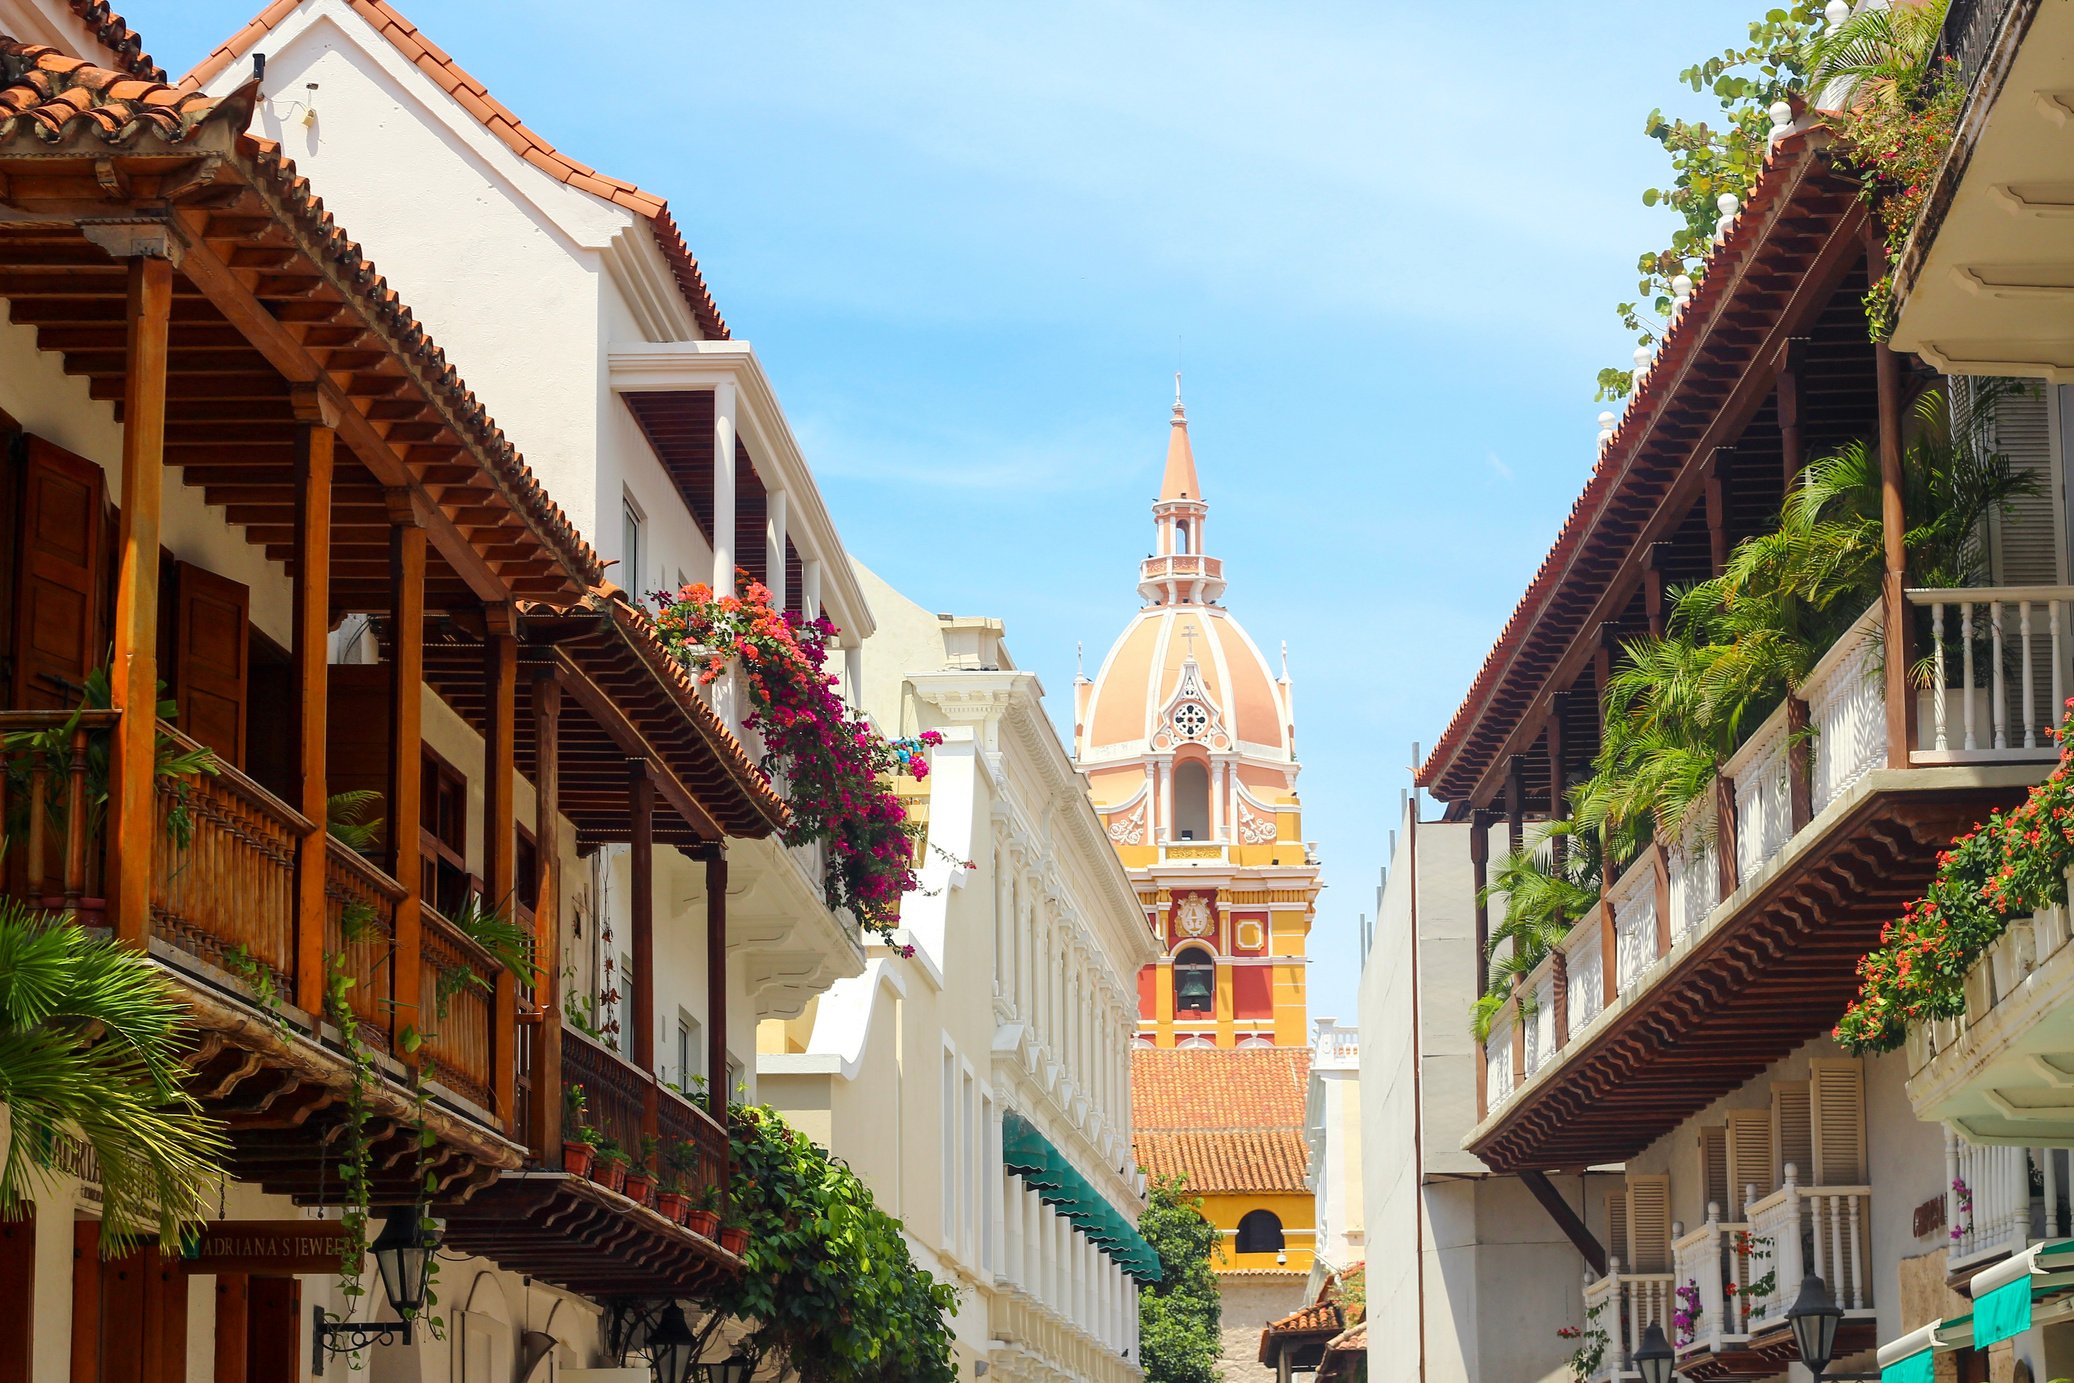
x=402, y=504
x=136, y=239
x=1566, y=1219
x=310, y=403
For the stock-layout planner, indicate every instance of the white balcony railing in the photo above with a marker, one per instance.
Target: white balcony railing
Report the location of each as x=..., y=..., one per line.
x=1585, y=975
x=1991, y=1206
x=1541, y=1022
x=1762, y=773
x=1714, y=1259
x=1999, y=672
x=1497, y=1059
x=1622, y=1306
x=1810, y=1229
x=1847, y=711
x=1695, y=873
x=1633, y=899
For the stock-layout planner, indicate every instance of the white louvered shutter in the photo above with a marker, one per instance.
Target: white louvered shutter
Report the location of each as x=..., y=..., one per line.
x=1839, y=1120
x=2026, y=541
x=1714, y=1171
x=1617, y=1226
x=1793, y=1131
x=1649, y=1223
x=1750, y=1172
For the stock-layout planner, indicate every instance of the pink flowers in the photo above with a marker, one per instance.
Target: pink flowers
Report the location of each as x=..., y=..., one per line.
x=835, y=766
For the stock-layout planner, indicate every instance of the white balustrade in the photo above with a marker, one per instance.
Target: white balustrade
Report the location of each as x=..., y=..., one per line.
x=1714, y=1258
x=1541, y=1025
x=1634, y=922
x=1762, y=773
x=1989, y=1205
x=1809, y=1229
x=1695, y=875
x=2006, y=646
x=1584, y=968
x=1847, y=710
x=1623, y=1306
x=1497, y=1061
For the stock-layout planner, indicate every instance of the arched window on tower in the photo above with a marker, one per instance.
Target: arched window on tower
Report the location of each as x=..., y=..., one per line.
x=1191, y=800
x=1195, y=982
x=1260, y=1231
x=1181, y=539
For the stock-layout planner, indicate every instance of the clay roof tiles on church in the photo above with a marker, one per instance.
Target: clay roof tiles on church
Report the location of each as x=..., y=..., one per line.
x=1229, y=1120
x=500, y=121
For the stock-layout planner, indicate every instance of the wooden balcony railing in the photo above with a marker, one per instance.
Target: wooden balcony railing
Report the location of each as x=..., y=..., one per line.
x=624, y=1103
x=223, y=871
x=49, y=806
x=457, y=989
x=360, y=926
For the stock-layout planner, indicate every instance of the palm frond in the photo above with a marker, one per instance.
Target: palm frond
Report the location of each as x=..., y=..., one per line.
x=1877, y=57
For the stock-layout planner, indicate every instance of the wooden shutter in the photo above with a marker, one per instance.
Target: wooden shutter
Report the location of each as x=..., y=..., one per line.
x=1714, y=1172
x=1617, y=1225
x=1839, y=1122
x=1649, y=1223
x=209, y=659
x=1793, y=1131
x=1749, y=1156
x=274, y=1348
x=59, y=633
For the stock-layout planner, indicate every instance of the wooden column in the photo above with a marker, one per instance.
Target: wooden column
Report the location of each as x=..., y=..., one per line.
x=1791, y=448
x=1515, y=803
x=1730, y=868
x=1717, y=511
x=1901, y=698
x=1558, y=809
x=546, y=1134
x=641, y=799
x=309, y=645
x=716, y=985
x=133, y=672
x=1800, y=786
x=1559, y=997
x=1653, y=589
x=406, y=753
x=500, y=837
x=1479, y=868
x=1660, y=871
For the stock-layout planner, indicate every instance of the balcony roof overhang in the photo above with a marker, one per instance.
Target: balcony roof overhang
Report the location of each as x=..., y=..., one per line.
x=573, y=1233
x=1773, y=971
x=1797, y=247
x=1986, y=287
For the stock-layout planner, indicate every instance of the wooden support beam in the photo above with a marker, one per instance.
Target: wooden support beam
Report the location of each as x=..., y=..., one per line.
x=500, y=838
x=545, y=1136
x=309, y=646
x=406, y=756
x=1653, y=587
x=641, y=804
x=1515, y=804
x=605, y=709
x=1792, y=358
x=1901, y=696
x=1479, y=869
x=1566, y=1219
x=1717, y=511
x=133, y=673
x=716, y=986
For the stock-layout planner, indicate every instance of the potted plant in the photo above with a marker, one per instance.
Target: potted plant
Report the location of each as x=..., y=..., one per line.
x=640, y=1177
x=734, y=1231
x=611, y=1169
x=678, y=1170
x=704, y=1218
x=579, y=1139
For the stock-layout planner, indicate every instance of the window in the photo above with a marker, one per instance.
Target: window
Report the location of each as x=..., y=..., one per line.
x=1260, y=1231
x=737, y=1080
x=1191, y=799
x=1195, y=982
x=691, y=1052
x=525, y=875
x=1181, y=539
x=630, y=553
x=443, y=835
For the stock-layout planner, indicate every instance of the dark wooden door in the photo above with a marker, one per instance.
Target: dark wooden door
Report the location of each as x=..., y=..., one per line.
x=17, y=1297
x=212, y=615
x=59, y=576
x=273, y=1337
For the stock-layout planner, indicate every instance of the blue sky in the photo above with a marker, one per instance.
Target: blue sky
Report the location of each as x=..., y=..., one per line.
x=969, y=241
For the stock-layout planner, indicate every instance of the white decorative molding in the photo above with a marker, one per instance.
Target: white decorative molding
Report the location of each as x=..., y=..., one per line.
x=1131, y=829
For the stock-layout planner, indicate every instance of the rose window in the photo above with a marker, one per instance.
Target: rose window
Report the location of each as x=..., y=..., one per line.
x=1191, y=720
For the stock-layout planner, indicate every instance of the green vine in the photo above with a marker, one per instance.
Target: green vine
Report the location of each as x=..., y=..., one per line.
x=244, y=966
x=356, y=1172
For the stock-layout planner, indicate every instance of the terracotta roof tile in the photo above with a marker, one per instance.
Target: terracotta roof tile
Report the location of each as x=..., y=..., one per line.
x=121, y=41
x=1319, y=1318
x=1229, y=1120
x=458, y=83
x=45, y=93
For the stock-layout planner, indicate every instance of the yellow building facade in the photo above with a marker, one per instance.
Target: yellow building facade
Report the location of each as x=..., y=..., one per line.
x=1187, y=737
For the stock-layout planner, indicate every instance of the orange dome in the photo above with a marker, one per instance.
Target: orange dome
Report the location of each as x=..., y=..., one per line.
x=1181, y=674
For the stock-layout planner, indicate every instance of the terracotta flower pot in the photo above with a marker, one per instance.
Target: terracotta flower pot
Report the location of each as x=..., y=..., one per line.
x=734, y=1240
x=577, y=1158
x=610, y=1175
x=705, y=1223
x=672, y=1205
x=638, y=1186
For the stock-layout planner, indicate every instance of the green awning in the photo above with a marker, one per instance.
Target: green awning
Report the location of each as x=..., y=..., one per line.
x=1030, y=1155
x=2002, y=1314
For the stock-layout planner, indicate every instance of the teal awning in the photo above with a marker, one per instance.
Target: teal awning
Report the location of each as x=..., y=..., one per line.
x=1030, y=1155
x=1912, y=1358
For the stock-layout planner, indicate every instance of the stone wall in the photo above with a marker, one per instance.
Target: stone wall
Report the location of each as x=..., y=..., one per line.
x=1250, y=1301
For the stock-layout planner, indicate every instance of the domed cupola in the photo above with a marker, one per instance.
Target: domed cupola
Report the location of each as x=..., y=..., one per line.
x=1178, y=573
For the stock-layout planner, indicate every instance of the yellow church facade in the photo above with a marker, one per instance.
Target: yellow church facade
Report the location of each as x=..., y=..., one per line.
x=1187, y=737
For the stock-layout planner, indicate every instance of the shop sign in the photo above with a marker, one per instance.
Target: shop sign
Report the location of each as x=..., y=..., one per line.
x=269, y=1248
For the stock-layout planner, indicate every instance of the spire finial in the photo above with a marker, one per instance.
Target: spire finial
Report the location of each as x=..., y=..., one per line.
x=1079, y=661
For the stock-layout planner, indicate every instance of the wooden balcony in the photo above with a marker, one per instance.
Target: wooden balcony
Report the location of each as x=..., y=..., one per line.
x=1647, y=1010
x=574, y=1232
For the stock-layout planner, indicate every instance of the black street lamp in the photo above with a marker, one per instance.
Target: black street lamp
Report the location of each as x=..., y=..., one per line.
x=671, y=1346
x=1655, y=1360
x=1814, y=1317
x=734, y=1369
x=403, y=1256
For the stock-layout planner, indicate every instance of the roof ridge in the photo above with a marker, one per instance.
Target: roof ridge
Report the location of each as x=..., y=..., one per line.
x=493, y=115
x=123, y=43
